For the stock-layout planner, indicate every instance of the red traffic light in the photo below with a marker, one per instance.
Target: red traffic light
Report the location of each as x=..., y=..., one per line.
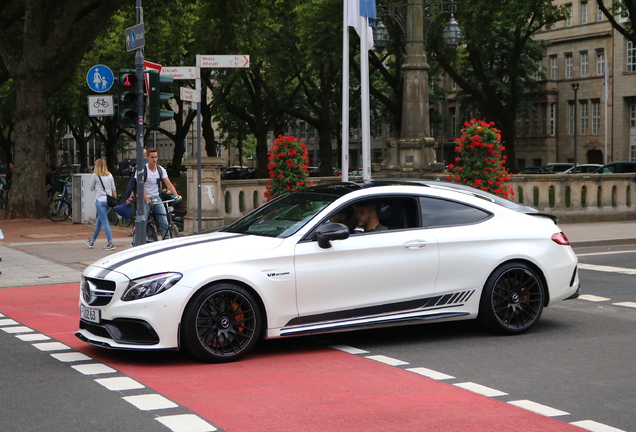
x=127, y=82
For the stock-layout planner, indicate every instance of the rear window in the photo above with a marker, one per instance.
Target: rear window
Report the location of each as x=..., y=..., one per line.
x=442, y=213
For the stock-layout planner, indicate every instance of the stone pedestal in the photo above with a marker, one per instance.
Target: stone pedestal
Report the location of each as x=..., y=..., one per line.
x=414, y=154
x=211, y=198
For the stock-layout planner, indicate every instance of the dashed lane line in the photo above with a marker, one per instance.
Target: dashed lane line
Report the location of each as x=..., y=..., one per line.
x=538, y=408
x=144, y=402
x=608, y=269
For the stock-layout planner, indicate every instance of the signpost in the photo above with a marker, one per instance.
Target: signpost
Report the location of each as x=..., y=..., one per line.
x=101, y=106
x=135, y=37
x=224, y=61
x=179, y=72
x=100, y=78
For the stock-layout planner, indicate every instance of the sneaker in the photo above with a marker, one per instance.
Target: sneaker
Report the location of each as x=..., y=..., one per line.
x=110, y=246
x=89, y=243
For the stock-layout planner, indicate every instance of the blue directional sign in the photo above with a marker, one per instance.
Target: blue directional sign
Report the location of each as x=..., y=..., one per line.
x=100, y=78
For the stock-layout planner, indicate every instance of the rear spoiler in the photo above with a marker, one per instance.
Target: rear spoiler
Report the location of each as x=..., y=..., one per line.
x=549, y=216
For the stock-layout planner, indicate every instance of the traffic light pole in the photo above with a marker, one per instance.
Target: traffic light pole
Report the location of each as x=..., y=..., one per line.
x=140, y=218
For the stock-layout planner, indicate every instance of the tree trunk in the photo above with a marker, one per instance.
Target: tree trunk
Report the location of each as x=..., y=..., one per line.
x=29, y=171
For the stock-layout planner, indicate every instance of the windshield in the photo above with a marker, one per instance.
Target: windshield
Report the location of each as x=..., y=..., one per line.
x=284, y=216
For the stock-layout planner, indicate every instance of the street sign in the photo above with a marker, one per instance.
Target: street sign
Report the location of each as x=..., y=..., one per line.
x=225, y=61
x=188, y=94
x=100, y=78
x=135, y=37
x=99, y=106
x=179, y=72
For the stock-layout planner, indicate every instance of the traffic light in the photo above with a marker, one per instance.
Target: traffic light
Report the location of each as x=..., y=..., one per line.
x=127, y=100
x=156, y=115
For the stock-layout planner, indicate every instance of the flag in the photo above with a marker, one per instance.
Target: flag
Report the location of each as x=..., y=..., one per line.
x=365, y=8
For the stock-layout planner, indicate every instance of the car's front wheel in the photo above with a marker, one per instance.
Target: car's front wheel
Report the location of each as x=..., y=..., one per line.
x=221, y=323
x=512, y=300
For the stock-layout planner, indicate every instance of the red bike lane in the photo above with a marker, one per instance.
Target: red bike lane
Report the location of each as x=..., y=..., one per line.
x=304, y=387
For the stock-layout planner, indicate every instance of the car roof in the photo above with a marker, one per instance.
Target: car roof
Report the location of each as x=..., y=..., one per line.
x=341, y=189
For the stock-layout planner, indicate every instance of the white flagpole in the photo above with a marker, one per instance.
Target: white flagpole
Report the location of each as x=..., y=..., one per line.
x=345, y=92
x=605, y=97
x=366, y=110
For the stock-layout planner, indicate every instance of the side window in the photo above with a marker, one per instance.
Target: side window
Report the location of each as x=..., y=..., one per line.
x=442, y=213
x=393, y=213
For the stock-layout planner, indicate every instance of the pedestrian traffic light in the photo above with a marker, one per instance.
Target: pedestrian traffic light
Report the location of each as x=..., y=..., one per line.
x=157, y=98
x=127, y=100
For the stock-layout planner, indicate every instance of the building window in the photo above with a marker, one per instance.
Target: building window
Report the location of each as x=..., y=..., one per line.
x=599, y=13
x=538, y=76
x=544, y=120
x=584, y=116
x=631, y=57
x=568, y=65
x=583, y=12
x=632, y=114
x=596, y=117
x=584, y=63
x=632, y=152
x=568, y=10
x=553, y=67
x=453, y=116
x=600, y=63
x=571, y=123
x=552, y=119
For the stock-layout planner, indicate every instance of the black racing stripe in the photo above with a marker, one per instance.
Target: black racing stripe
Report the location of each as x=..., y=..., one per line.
x=374, y=310
x=104, y=272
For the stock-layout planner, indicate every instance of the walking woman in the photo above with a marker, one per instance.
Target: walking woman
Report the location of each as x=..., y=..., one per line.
x=102, y=181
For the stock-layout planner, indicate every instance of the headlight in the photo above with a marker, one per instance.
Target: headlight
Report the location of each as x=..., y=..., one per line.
x=150, y=285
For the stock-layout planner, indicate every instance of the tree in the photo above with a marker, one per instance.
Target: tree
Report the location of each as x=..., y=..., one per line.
x=624, y=8
x=41, y=45
x=495, y=68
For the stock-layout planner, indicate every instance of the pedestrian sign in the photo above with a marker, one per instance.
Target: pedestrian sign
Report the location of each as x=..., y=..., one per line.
x=100, y=78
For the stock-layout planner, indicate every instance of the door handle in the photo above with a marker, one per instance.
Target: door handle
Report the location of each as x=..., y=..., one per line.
x=415, y=244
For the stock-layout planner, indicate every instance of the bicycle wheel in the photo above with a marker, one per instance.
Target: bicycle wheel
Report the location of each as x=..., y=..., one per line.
x=58, y=210
x=173, y=231
x=151, y=232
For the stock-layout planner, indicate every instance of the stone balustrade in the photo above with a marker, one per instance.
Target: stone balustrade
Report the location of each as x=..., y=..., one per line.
x=573, y=198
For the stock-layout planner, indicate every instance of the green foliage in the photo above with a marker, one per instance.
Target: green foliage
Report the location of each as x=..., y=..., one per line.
x=287, y=167
x=480, y=160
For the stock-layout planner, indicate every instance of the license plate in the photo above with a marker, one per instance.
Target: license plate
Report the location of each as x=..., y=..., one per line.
x=90, y=314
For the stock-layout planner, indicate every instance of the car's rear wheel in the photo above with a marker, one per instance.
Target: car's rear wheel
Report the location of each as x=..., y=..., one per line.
x=221, y=323
x=512, y=300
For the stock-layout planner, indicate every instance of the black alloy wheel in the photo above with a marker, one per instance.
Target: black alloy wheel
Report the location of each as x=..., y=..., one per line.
x=221, y=323
x=512, y=300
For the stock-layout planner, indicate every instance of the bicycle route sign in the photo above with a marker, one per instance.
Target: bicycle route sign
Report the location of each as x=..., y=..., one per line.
x=100, y=78
x=102, y=105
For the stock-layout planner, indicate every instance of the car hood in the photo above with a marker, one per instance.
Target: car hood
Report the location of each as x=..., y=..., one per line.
x=178, y=254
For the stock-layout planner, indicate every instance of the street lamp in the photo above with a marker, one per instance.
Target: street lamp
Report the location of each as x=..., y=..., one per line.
x=575, y=87
x=415, y=149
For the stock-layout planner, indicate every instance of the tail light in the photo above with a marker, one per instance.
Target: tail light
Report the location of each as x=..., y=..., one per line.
x=561, y=239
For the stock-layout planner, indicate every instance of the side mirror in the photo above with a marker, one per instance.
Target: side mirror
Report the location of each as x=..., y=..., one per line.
x=331, y=231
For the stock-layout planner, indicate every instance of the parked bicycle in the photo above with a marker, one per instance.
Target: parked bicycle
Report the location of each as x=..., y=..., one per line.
x=61, y=208
x=152, y=227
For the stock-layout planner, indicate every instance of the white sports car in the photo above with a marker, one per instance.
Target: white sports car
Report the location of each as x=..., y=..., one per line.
x=447, y=253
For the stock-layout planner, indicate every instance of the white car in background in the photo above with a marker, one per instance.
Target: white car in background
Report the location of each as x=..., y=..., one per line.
x=286, y=270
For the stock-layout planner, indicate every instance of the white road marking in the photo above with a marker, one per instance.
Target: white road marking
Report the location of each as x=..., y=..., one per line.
x=605, y=253
x=626, y=304
x=150, y=402
x=33, y=337
x=595, y=427
x=120, y=383
x=186, y=423
x=593, y=298
x=608, y=269
x=430, y=373
x=18, y=329
x=6, y=322
x=71, y=357
x=387, y=360
x=482, y=390
x=93, y=369
x=51, y=346
x=349, y=349
x=538, y=408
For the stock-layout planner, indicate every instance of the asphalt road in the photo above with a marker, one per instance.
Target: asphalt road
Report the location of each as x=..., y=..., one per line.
x=578, y=362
